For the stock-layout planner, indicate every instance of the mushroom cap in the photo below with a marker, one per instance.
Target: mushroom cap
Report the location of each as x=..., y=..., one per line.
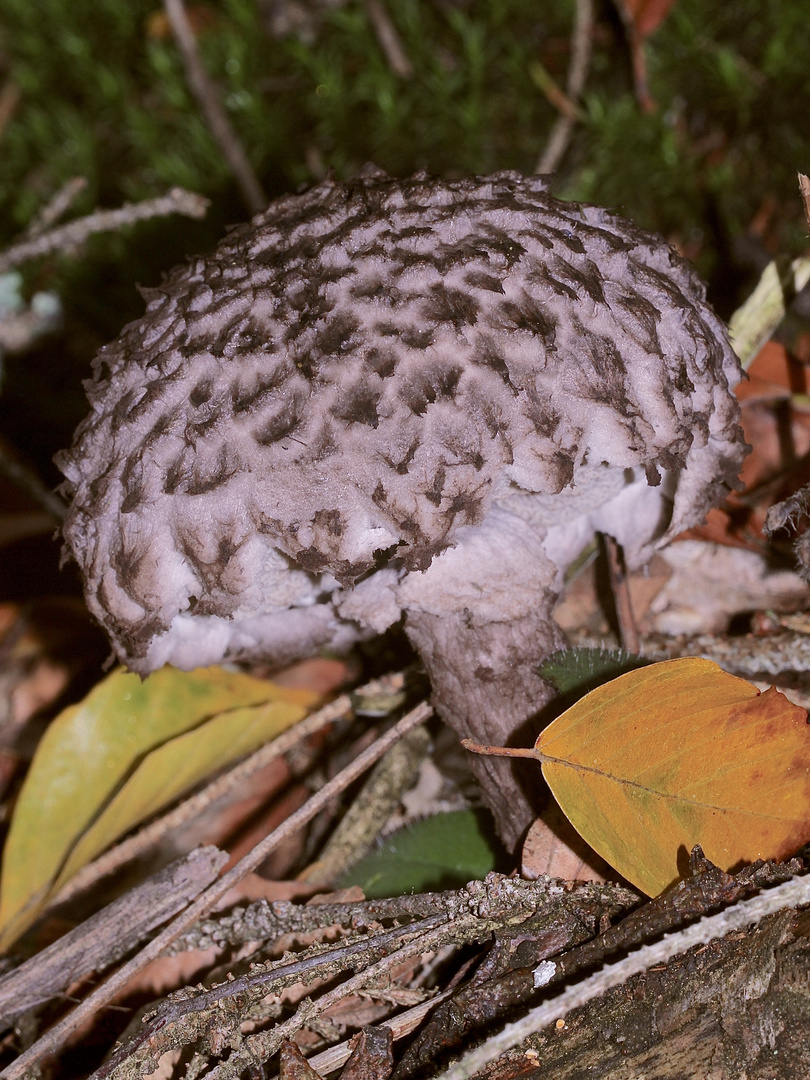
x=360, y=376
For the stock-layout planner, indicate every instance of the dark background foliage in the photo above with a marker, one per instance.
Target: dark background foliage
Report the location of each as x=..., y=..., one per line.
x=100, y=92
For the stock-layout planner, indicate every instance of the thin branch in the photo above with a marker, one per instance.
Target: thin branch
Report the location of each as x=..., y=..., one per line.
x=370, y=810
x=473, y=914
x=29, y=483
x=54, y=1040
x=496, y=992
x=498, y=905
x=389, y=40
x=262, y=1046
x=56, y=207
x=10, y=97
x=577, y=74
x=403, y=1024
x=215, y=116
x=179, y=1022
x=554, y=94
x=262, y=921
x=792, y=894
x=75, y=233
x=628, y=631
x=804, y=192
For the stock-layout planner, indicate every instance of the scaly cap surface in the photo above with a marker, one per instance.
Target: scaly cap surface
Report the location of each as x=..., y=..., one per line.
x=356, y=378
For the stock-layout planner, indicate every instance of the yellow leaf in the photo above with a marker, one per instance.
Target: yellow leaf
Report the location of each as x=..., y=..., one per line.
x=677, y=754
x=129, y=748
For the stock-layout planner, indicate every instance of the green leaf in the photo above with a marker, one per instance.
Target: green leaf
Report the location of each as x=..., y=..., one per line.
x=575, y=672
x=128, y=749
x=443, y=851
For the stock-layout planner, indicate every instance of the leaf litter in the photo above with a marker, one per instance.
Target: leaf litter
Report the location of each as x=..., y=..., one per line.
x=129, y=748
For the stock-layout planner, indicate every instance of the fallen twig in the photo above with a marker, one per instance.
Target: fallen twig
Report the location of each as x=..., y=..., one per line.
x=370, y=810
x=262, y=1046
x=263, y=921
x=180, y=1022
x=471, y=915
x=628, y=631
x=389, y=40
x=401, y=1025
x=498, y=905
x=56, y=207
x=499, y=987
x=10, y=97
x=110, y=934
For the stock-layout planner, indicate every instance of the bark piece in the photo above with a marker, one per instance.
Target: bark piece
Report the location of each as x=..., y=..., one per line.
x=733, y=1009
x=110, y=934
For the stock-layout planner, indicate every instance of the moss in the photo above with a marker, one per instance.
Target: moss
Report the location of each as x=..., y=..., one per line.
x=103, y=95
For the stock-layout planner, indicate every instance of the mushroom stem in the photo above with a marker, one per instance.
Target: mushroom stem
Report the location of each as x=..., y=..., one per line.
x=486, y=687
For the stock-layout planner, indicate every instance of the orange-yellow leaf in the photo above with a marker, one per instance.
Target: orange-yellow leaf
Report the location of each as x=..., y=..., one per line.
x=677, y=754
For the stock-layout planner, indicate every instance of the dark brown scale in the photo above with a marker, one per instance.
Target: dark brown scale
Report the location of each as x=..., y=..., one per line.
x=279, y=427
x=450, y=306
x=331, y=520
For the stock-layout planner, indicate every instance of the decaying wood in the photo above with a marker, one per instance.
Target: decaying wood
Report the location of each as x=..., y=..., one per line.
x=294, y=1065
x=736, y=1008
x=372, y=1055
x=508, y=978
x=725, y=1009
x=215, y=1014
x=110, y=934
x=470, y=915
x=371, y=1058
x=717, y=1003
x=401, y=1025
x=514, y=899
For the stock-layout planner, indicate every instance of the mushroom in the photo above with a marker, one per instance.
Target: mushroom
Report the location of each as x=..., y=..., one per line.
x=399, y=397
